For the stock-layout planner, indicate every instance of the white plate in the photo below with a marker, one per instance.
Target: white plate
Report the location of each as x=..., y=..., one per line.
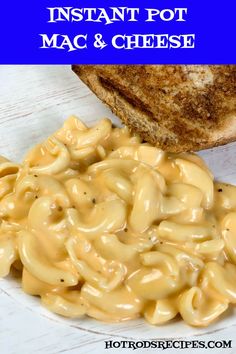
x=34, y=101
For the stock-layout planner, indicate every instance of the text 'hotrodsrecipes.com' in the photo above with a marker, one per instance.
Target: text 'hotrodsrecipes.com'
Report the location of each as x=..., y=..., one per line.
x=168, y=344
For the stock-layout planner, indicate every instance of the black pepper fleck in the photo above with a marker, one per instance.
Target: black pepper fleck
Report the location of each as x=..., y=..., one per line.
x=227, y=230
x=35, y=175
x=220, y=190
x=36, y=197
x=62, y=280
x=126, y=230
x=93, y=200
x=59, y=208
x=85, y=193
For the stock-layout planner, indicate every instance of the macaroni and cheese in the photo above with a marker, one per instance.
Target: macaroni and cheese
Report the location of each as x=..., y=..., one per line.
x=102, y=224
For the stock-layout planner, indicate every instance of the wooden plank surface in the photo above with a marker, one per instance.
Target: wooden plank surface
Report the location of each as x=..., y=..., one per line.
x=34, y=101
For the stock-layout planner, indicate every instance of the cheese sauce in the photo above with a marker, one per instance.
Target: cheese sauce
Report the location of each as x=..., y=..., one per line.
x=102, y=224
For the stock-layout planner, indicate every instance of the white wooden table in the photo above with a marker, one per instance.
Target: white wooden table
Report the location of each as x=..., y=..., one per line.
x=34, y=101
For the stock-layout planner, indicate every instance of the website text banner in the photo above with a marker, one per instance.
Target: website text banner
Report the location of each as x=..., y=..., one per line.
x=118, y=32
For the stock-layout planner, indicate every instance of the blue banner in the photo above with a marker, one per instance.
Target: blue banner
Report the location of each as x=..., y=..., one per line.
x=118, y=32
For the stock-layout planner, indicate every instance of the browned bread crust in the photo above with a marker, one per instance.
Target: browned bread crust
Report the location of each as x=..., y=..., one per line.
x=176, y=107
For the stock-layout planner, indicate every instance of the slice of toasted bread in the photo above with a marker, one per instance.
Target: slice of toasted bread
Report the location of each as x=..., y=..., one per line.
x=176, y=107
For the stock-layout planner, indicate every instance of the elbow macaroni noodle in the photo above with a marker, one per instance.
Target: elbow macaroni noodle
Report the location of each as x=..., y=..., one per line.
x=101, y=224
